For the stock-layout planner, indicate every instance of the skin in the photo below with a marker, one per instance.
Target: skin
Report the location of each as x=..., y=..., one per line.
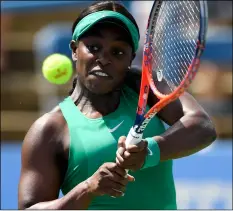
x=46, y=145
x=191, y=130
x=114, y=56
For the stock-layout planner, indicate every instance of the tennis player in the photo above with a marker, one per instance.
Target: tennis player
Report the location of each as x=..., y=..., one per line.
x=73, y=147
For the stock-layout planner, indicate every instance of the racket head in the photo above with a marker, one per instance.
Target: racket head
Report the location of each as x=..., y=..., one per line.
x=175, y=40
x=175, y=29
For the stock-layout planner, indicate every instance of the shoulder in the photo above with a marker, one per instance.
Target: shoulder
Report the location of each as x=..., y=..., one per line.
x=47, y=129
x=43, y=161
x=52, y=121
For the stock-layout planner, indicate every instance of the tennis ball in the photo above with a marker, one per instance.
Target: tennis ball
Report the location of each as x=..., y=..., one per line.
x=57, y=68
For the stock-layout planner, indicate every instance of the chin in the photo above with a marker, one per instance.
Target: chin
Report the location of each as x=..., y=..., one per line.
x=100, y=89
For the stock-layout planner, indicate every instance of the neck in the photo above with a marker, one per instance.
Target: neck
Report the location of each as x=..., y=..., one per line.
x=95, y=105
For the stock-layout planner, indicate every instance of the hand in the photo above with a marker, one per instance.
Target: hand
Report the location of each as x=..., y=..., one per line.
x=132, y=157
x=109, y=179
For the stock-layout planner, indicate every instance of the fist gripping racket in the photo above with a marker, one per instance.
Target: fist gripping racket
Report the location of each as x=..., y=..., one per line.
x=175, y=40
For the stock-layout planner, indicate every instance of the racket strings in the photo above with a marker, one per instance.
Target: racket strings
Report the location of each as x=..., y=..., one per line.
x=174, y=33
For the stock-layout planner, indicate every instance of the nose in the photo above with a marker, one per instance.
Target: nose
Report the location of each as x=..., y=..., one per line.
x=103, y=59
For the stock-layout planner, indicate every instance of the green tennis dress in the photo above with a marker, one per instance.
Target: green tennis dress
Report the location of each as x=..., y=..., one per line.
x=94, y=142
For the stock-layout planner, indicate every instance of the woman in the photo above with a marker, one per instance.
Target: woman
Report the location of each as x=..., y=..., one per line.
x=73, y=147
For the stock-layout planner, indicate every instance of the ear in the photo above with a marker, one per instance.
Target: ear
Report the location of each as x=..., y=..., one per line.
x=73, y=47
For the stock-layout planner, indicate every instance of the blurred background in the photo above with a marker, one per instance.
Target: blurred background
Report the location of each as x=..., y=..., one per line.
x=32, y=30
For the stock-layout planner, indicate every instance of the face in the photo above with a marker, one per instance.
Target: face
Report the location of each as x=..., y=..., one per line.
x=102, y=58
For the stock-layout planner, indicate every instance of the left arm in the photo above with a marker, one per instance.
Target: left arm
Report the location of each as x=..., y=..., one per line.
x=190, y=131
x=191, y=128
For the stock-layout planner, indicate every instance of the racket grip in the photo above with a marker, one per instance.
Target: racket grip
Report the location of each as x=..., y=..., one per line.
x=133, y=137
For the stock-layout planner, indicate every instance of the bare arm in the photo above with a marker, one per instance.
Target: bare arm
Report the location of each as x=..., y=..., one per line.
x=41, y=176
x=78, y=198
x=191, y=128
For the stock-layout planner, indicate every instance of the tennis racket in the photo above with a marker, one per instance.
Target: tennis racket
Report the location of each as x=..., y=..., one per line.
x=174, y=43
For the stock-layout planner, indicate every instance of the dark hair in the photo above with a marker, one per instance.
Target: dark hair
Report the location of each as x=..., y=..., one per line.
x=105, y=5
x=99, y=6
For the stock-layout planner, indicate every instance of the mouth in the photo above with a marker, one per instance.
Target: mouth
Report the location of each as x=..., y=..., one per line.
x=100, y=73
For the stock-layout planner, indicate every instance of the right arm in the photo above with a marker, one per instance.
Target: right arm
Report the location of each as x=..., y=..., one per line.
x=78, y=198
x=41, y=176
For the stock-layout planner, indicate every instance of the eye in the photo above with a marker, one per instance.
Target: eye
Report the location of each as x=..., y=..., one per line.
x=118, y=52
x=93, y=48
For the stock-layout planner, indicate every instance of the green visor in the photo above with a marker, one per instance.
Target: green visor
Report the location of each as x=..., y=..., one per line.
x=87, y=22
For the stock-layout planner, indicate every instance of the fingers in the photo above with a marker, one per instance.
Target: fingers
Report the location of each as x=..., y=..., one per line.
x=109, y=179
x=121, y=148
x=119, y=179
x=120, y=156
x=129, y=158
x=113, y=190
x=115, y=193
x=137, y=148
x=123, y=174
x=132, y=167
x=121, y=142
x=119, y=174
x=117, y=186
x=130, y=178
x=120, y=171
x=127, y=154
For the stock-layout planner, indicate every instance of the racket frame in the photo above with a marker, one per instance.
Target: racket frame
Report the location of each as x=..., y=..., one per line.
x=136, y=132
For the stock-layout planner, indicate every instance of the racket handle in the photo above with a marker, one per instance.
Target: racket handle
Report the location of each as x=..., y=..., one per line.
x=133, y=137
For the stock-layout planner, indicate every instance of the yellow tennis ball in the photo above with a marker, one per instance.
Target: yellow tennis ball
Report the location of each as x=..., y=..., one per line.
x=57, y=68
